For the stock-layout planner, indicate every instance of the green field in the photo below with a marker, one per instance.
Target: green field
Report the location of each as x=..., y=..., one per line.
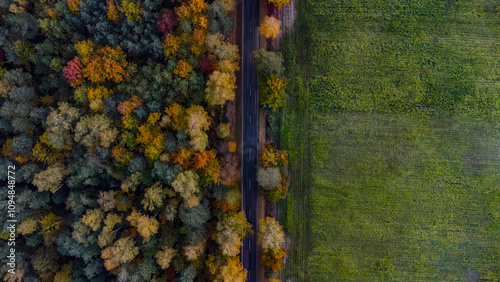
x=393, y=140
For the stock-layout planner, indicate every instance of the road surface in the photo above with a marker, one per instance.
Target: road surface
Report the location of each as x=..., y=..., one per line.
x=250, y=140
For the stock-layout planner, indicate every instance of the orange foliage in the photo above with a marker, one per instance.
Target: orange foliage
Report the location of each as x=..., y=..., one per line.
x=225, y=206
x=270, y=27
x=73, y=5
x=272, y=260
x=108, y=64
x=201, y=159
x=182, y=157
x=151, y=137
x=121, y=154
x=52, y=13
x=212, y=170
x=128, y=107
x=183, y=69
x=112, y=11
x=232, y=147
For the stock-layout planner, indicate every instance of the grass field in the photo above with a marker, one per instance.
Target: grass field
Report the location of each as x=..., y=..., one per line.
x=393, y=140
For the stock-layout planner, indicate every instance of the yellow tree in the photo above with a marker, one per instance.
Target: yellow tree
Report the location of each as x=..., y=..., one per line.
x=220, y=88
x=153, y=197
x=270, y=27
x=164, y=257
x=123, y=251
x=93, y=218
x=279, y=3
x=145, y=225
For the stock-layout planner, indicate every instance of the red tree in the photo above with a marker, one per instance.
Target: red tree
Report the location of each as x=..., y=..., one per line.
x=207, y=65
x=73, y=72
x=167, y=22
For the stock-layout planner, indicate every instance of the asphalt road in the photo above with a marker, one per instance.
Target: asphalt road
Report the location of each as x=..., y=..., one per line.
x=250, y=134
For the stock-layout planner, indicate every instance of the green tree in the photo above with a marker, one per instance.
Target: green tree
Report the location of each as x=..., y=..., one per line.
x=268, y=62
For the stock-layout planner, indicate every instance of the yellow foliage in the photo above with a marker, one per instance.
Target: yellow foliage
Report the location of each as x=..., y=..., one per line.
x=28, y=226
x=13, y=8
x=279, y=3
x=183, y=69
x=131, y=9
x=85, y=50
x=65, y=275
x=171, y=45
x=176, y=113
x=151, y=137
x=100, y=92
x=112, y=11
x=49, y=223
x=145, y=225
x=270, y=27
x=93, y=218
x=164, y=256
x=130, y=122
x=197, y=6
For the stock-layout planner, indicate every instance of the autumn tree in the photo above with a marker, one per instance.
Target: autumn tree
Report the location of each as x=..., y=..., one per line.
x=164, y=257
x=60, y=124
x=145, y=225
x=279, y=3
x=274, y=260
x=151, y=137
x=167, y=22
x=269, y=178
x=93, y=218
x=272, y=91
x=231, y=229
x=220, y=88
x=51, y=178
x=273, y=157
x=270, y=234
x=112, y=11
x=270, y=27
x=122, y=251
x=95, y=130
x=227, y=269
x=186, y=184
x=223, y=130
x=154, y=196
x=73, y=72
x=183, y=69
x=132, y=9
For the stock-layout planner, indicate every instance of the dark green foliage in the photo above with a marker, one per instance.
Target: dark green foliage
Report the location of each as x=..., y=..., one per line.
x=22, y=144
x=268, y=62
x=165, y=172
x=38, y=115
x=94, y=268
x=138, y=163
x=195, y=217
x=34, y=200
x=27, y=172
x=67, y=246
x=34, y=240
x=153, y=82
x=185, y=26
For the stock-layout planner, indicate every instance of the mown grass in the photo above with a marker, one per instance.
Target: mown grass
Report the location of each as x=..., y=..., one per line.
x=392, y=138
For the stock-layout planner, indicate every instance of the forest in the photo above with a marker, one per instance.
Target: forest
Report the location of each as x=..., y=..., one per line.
x=117, y=120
